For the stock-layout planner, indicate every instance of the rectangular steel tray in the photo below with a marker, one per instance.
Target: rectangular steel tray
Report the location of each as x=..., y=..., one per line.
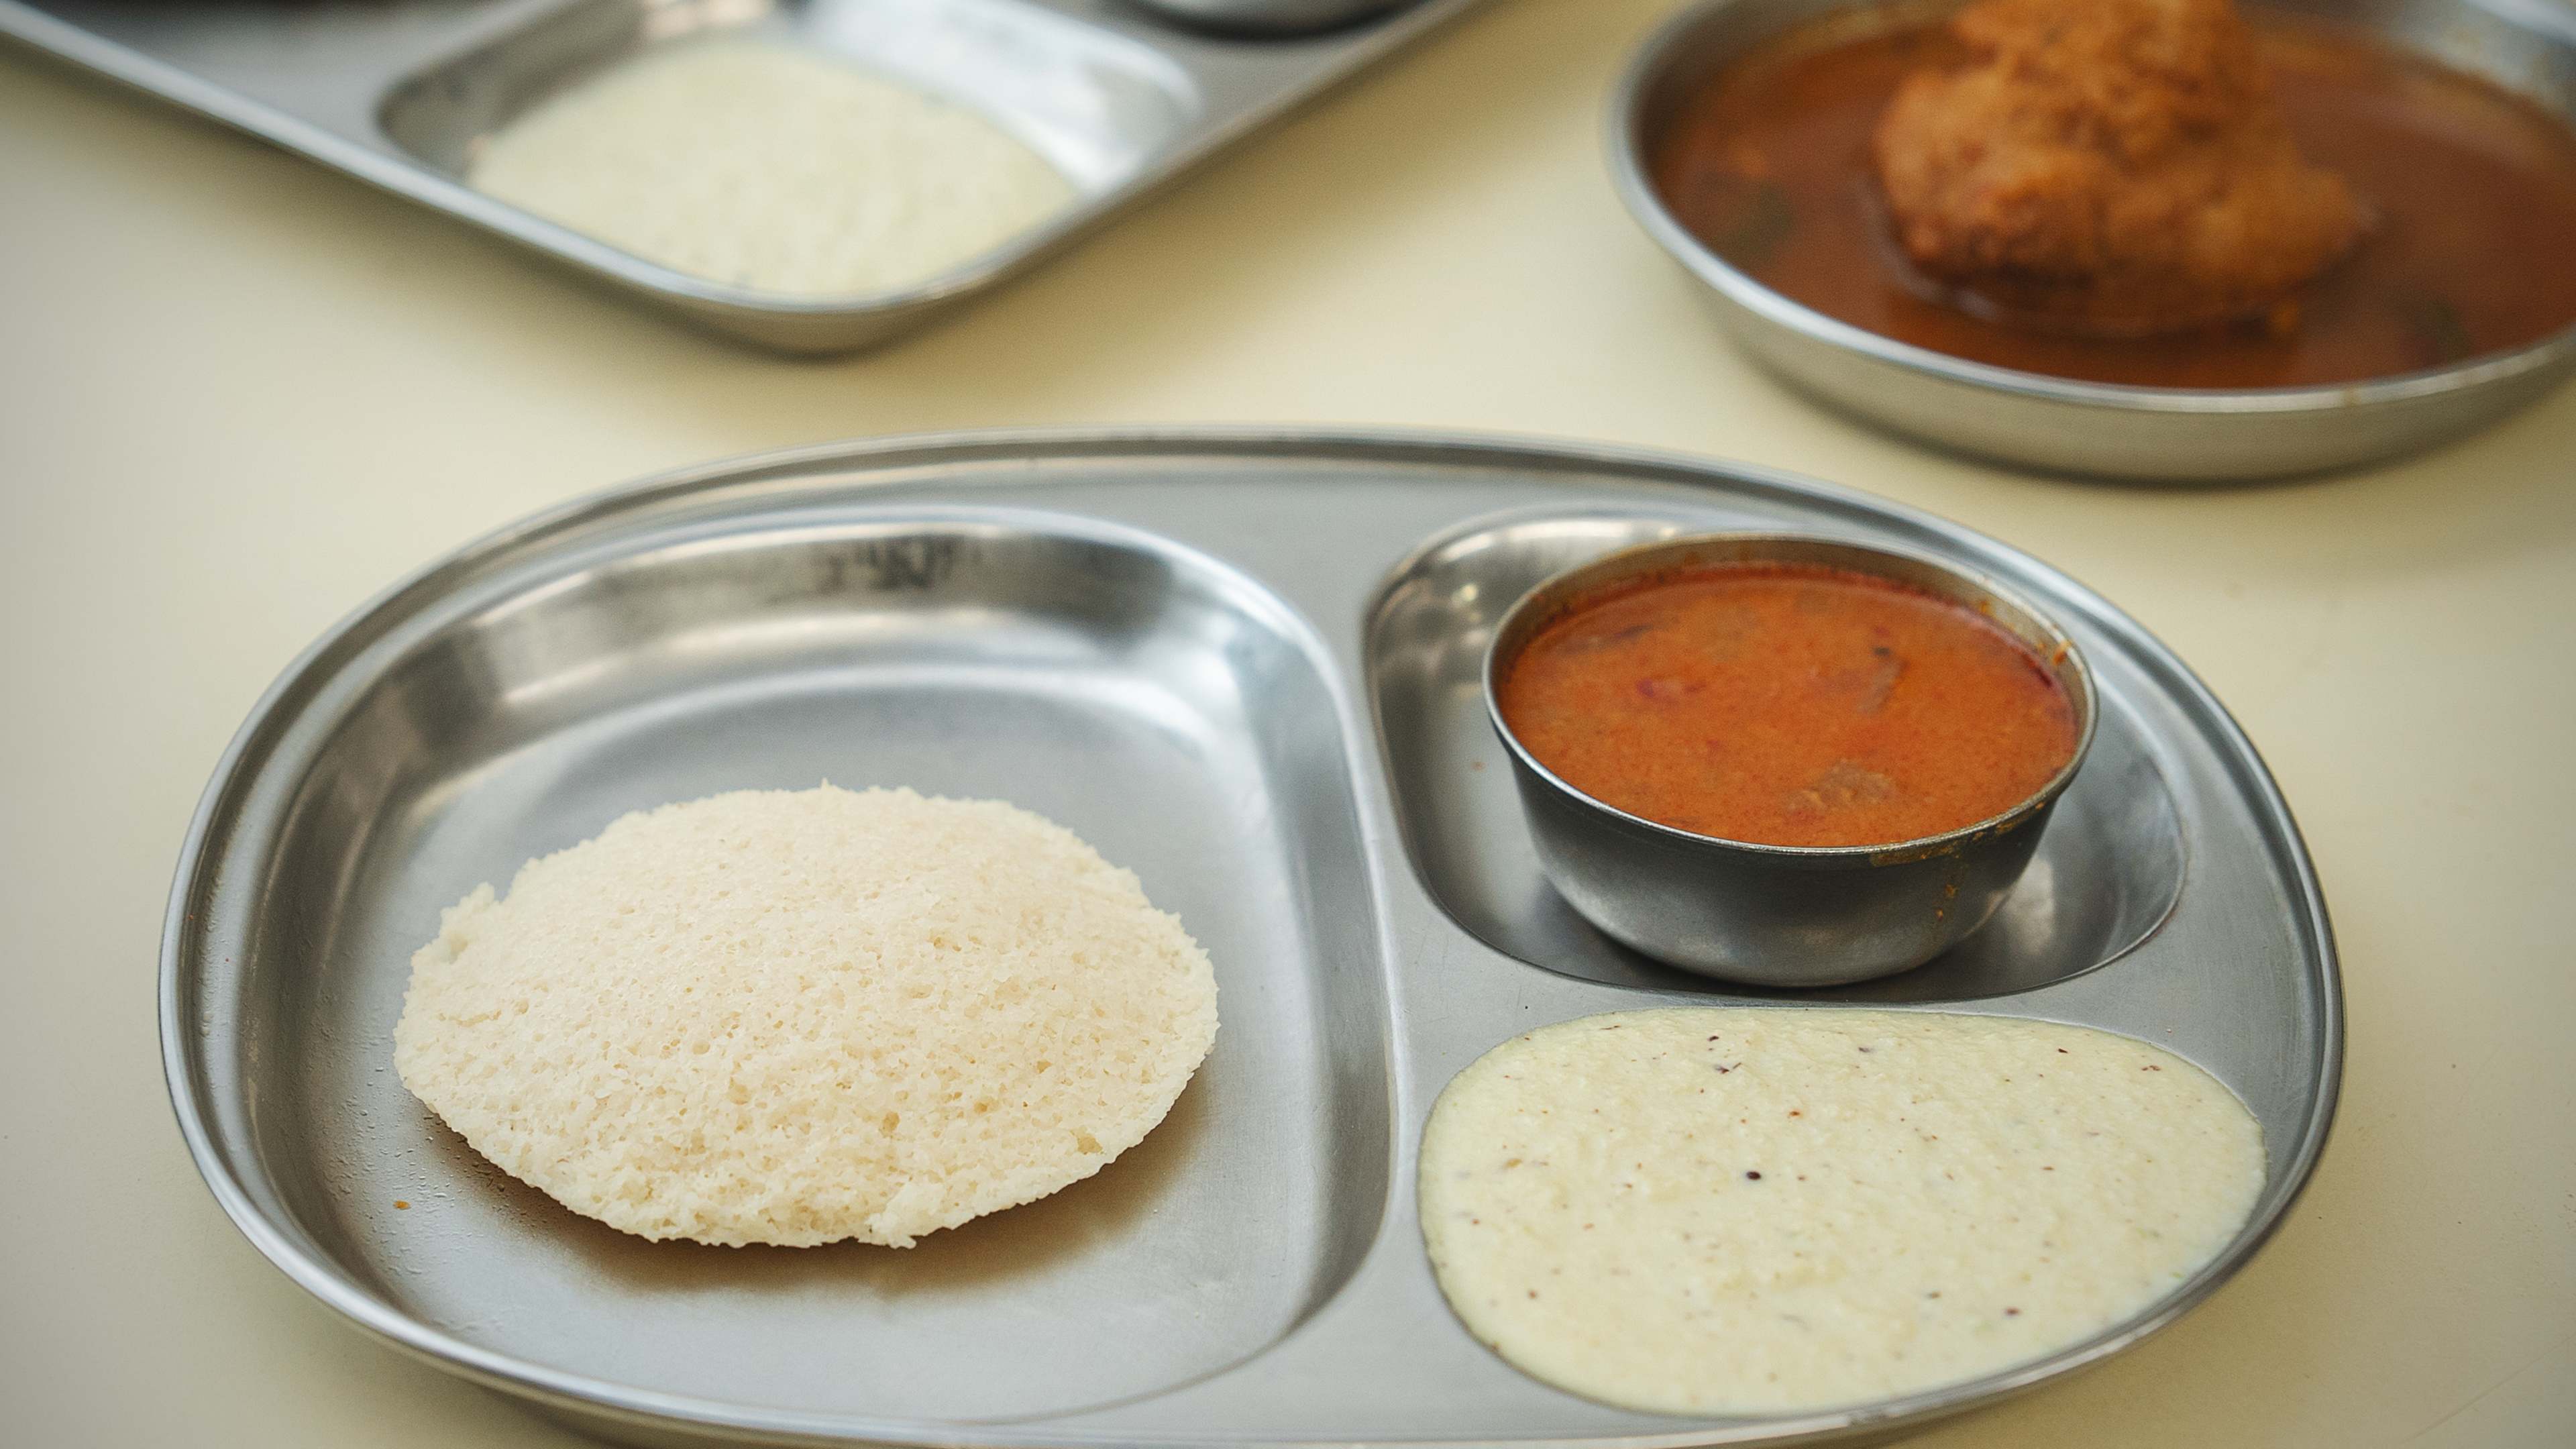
x=398, y=92
x=1244, y=666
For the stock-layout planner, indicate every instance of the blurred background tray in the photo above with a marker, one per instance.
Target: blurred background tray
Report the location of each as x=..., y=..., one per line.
x=1120, y=98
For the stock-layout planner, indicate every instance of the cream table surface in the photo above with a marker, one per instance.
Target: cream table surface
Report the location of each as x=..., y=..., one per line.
x=238, y=394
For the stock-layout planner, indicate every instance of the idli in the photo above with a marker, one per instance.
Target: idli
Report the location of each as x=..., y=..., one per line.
x=796, y=1017
x=1714, y=1211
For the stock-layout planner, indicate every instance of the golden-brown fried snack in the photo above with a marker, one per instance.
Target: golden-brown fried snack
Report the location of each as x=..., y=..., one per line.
x=2107, y=166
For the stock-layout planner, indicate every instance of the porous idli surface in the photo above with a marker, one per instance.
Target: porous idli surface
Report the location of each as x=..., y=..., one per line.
x=1739, y=1211
x=797, y=1017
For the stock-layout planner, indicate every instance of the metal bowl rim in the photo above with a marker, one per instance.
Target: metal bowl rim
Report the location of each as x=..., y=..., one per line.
x=1887, y=853
x=1646, y=206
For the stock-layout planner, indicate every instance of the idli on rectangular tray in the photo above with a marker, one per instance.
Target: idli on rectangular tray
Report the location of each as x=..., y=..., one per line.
x=813, y=176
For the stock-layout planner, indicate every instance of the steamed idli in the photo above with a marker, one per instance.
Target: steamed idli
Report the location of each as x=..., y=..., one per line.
x=796, y=1017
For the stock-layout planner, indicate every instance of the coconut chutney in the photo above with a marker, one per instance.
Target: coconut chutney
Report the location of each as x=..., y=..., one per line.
x=1751, y=1211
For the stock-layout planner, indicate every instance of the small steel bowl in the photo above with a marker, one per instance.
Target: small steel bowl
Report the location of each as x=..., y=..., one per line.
x=1779, y=915
x=2172, y=434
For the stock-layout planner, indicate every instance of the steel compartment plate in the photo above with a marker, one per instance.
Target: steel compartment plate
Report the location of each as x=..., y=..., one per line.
x=1209, y=653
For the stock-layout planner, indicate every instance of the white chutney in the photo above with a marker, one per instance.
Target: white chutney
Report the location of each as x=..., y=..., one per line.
x=1751, y=1211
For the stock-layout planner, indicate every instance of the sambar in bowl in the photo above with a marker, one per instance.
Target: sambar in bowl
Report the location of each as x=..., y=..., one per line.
x=1782, y=759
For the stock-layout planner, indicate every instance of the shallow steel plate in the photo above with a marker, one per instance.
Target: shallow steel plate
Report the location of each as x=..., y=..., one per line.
x=399, y=93
x=2174, y=435
x=1242, y=664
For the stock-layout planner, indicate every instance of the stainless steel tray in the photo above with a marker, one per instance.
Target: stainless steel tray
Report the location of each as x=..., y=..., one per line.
x=1242, y=664
x=396, y=92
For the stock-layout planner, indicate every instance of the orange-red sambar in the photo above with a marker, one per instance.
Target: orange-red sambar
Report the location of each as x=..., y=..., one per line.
x=1789, y=704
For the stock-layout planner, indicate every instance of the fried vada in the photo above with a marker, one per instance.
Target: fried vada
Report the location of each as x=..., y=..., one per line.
x=2109, y=167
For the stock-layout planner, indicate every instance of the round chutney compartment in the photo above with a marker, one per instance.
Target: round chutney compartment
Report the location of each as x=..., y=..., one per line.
x=2107, y=872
